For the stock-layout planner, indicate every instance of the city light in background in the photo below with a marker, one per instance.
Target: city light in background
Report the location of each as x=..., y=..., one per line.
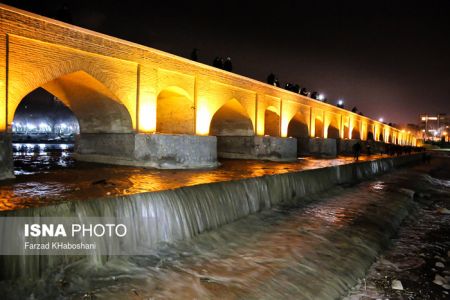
x=43, y=127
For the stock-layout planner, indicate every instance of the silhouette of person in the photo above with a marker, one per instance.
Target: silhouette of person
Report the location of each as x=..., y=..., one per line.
x=227, y=65
x=194, y=54
x=356, y=150
x=271, y=79
x=354, y=109
x=218, y=62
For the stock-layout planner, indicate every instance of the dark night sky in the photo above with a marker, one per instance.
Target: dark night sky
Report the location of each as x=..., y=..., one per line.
x=389, y=60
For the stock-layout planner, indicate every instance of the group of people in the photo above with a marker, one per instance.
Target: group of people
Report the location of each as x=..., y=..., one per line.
x=388, y=149
x=224, y=64
x=218, y=62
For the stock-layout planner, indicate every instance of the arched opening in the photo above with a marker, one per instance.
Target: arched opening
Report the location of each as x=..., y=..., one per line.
x=355, y=133
x=231, y=120
x=381, y=138
x=333, y=131
x=175, y=112
x=43, y=133
x=370, y=136
x=98, y=110
x=73, y=103
x=271, y=122
x=390, y=139
x=298, y=126
x=318, y=127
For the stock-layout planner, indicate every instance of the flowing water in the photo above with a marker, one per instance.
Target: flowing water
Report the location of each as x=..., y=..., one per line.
x=47, y=174
x=297, y=235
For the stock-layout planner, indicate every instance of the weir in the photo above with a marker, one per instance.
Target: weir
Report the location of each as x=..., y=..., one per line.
x=183, y=213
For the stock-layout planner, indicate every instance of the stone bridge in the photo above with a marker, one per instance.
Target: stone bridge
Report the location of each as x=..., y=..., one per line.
x=140, y=106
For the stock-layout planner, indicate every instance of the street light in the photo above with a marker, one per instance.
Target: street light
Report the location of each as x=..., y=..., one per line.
x=321, y=97
x=340, y=103
x=381, y=120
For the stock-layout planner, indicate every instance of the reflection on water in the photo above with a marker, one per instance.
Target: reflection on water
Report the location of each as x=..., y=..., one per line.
x=47, y=173
x=33, y=158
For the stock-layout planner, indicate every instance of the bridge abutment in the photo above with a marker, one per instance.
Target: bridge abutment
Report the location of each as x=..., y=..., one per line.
x=6, y=158
x=257, y=147
x=162, y=151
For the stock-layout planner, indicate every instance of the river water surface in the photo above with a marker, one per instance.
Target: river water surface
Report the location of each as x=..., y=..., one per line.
x=317, y=247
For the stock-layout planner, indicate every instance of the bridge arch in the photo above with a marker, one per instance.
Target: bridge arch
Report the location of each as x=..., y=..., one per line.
x=97, y=109
x=298, y=126
x=231, y=120
x=356, y=134
x=175, y=111
x=370, y=135
x=318, y=127
x=271, y=121
x=332, y=131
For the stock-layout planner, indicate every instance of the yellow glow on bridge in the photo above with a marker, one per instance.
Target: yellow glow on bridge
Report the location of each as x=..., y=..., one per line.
x=163, y=92
x=147, y=116
x=203, y=120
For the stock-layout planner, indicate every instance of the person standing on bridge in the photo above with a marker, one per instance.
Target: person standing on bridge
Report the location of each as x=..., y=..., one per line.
x=228, y=66
x=218, y=62
x=194, y=54
x=356, y=151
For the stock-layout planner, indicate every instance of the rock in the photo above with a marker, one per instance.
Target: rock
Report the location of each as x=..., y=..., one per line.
x=446, y=286
x=407, y=192
x=397, y=285
x=439, y=265
x=424, y=195
x=439, y=280
x=443, y=210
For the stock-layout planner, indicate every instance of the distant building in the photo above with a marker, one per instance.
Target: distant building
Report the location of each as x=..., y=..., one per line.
x=434, y=127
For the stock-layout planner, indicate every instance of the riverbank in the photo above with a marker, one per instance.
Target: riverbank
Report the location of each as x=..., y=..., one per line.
x=417, y=266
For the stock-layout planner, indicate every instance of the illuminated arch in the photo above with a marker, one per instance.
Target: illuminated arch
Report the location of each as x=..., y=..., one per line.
x=298, y=126
x=97, y=109
x=175, y=112
x=356, y=134
x=333, y=129
x=318, y=126
x=370, y=135
x=271, y=122
x=231, y=120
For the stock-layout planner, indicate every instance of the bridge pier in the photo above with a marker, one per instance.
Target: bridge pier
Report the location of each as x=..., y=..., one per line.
x=317, y=147
x=6, y=158
x=257, y=147
x=162, y=151
x=345, y=147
